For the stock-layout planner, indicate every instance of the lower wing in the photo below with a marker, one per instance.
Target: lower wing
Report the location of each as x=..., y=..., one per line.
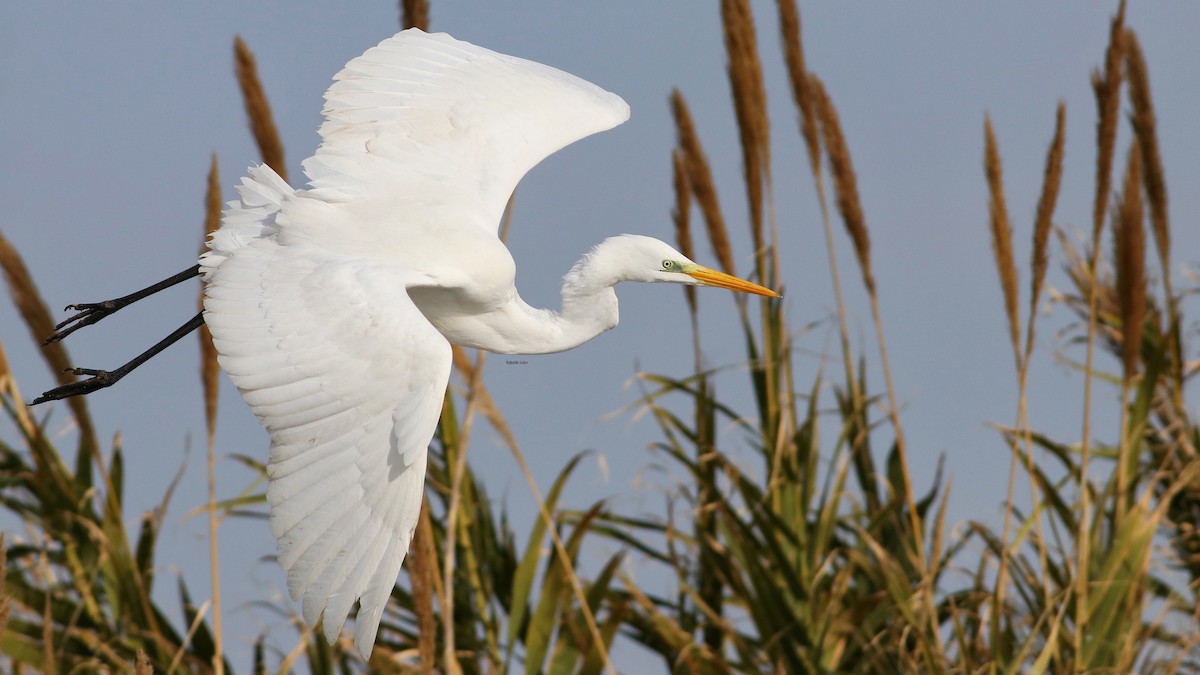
x=348, y=378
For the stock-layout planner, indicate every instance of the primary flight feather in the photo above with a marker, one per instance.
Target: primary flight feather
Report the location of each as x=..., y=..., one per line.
x=333, y=307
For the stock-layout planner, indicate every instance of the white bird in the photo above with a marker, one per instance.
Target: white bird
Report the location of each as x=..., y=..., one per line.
x=333, y=307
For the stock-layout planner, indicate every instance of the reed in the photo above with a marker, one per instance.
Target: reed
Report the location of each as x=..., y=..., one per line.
x=209, y=374
x=1129, y=253
x=750, y=108
x=1145, y=128
x=699, y=176
x=1044, y=219
x=37, y=319
x=681, y=217
x=798, y=77
x=1106, y=86
x=1001, y=229
x=414, y=14
x=845, y=184
x=209, y=369
x=258, y=109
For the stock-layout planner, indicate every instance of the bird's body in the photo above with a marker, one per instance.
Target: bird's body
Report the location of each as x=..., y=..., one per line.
x=333, y=307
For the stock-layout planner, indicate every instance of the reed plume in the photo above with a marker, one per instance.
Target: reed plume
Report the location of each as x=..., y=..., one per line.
x=414, y=14
x=1106, y=86
x=258, y=110
x=1129, y=243
x=750, y=107
x=1001, y=235
x=793, y=56
x=1043, y=221
x=1145, y=128
x=681, y=216
x=844, y=182
x=209, y=370
x=699, y=176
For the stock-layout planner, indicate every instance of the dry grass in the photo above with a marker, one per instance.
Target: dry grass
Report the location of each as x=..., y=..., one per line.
x=209, y=370
x=793, y=56
x=414, y=14
x=845, y=184
x=681, y=217
x=258, y=110
x=1129, y=252
x=1001, y=229
x=1145, y=128
x=1044, y=219
x=37, y=319
x=1106, y=85
x=422, y=576
x=209, y=374
x=699, y=177
x=750, y=107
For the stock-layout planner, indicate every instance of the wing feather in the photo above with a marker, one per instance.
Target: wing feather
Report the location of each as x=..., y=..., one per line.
x=457, y=125
x=348, y=378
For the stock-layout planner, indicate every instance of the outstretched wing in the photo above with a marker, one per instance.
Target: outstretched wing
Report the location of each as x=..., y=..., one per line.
x=348, y=378
x=445, y=125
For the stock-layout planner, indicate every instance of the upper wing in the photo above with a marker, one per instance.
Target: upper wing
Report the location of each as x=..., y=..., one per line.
x=430, y=120
x=348, y=378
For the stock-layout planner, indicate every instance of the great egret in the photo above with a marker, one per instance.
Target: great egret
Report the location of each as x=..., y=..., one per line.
x=333, y=307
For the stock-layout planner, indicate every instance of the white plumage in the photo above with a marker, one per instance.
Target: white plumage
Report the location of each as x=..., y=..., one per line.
x=332, y=306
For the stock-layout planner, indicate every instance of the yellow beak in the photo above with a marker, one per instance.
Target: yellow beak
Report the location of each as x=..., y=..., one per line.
x=710, y=277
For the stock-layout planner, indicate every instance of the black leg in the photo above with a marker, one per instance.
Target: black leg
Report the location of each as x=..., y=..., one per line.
x=105, y=378
x=91, y=312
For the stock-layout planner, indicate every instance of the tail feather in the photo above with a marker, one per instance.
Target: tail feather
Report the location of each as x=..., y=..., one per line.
x=250, y=217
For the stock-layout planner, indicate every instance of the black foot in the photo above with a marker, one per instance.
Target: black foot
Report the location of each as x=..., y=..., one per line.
x=99, y=379
x=88, y=314
x=106, y=378
x=91, y=312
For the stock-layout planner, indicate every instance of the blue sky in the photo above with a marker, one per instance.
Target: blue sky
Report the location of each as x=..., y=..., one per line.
x=111, y=112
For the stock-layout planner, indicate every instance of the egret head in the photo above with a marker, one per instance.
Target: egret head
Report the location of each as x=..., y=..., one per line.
x=647, y=259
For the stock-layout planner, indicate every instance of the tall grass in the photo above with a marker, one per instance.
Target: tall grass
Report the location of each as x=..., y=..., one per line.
x=827, y=554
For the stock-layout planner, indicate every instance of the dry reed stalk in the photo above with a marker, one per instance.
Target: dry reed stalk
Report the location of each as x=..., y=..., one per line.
x=208, y=379
x=414, y=14
x=1144, y=127
x=681, y=216
x=793, y=56
x=1001, y=235
x=699, y=176
x=37, y=318
x=483, y=399
x=1107, y=88
x=846, y=189
x=1129, y=244
x=209, y=370
x=1044, y=220
x=844, y=181
x=750, y=107
x=258, y=110
x=422, y=567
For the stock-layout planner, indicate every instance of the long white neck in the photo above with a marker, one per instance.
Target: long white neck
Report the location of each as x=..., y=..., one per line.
x=589, y=307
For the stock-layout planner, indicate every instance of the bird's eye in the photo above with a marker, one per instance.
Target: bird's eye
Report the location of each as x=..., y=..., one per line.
x=668, y=264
